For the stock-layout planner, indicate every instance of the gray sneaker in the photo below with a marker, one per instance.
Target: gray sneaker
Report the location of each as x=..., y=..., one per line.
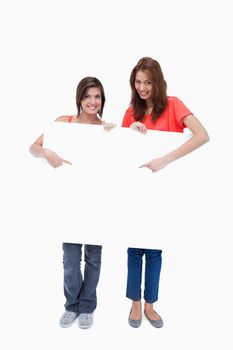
x=67, y=319
x=85, y=320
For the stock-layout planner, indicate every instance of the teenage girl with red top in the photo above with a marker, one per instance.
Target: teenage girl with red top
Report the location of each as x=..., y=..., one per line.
x=151, y=108
x=80, y=291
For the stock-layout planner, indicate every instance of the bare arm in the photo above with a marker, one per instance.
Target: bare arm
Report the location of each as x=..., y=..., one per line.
x=199, y=137
x=37, y=150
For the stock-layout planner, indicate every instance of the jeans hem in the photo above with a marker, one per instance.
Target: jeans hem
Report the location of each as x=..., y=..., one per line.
x=151, y=301
x=132, y=298
x=72, y=309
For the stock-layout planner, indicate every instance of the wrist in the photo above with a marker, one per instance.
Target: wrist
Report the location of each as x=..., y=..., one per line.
x=167, y=159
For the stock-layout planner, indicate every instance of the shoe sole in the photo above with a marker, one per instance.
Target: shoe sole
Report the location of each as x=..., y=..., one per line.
x=152, y=322
x=85, y=327
x=65, y=325
x=135, y=326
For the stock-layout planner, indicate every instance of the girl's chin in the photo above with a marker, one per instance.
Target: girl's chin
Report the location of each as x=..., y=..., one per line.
x=146, y=96
x=91, y=111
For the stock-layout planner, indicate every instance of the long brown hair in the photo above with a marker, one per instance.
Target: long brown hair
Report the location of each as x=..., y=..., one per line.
x=81, y=90
x=159, y=91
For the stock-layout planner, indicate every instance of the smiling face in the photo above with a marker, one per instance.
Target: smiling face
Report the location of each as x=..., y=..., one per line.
x=143, y=85
x=91, y=102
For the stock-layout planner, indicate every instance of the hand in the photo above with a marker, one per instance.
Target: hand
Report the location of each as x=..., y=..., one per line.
x=108, y=126
x=138, y=126
x=155, y=164
x=53, y=159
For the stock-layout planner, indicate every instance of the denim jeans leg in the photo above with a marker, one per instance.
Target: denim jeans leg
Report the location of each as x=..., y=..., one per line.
x=87, y=296
x=133, y=290
x=152, y=274
x=72, y=275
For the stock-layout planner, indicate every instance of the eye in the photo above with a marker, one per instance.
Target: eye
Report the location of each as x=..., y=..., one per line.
x=98, y=97
x=137, y=82
x=148, y=83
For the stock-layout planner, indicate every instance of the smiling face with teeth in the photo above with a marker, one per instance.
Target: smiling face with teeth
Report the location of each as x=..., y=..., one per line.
x=90, y=97
x=92, y=101
x=144, y=85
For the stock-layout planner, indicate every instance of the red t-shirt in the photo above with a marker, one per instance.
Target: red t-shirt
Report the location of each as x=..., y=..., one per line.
x=170, y=120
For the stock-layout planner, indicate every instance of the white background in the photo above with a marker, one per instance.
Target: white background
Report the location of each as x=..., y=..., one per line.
x=46, y=48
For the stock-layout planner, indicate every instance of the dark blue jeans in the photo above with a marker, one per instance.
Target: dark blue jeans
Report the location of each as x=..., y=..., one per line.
x=153, y=261
x=80, y=291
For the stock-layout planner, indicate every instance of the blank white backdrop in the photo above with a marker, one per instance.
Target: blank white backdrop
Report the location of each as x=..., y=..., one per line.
x=47, y=47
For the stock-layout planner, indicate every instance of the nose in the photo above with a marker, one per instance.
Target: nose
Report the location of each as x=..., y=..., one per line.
x=142, y=87
x=92, y=100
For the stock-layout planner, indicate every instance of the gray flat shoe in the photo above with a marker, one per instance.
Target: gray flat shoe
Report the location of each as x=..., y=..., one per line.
x=134, y=323
x=155, y=323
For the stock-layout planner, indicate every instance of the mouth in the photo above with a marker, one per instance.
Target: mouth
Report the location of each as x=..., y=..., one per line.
x=143, y=94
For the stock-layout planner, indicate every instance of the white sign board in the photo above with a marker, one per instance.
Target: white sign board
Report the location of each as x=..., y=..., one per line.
x=104, y=197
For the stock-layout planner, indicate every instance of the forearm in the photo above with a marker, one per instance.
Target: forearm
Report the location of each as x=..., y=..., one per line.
x=199, y=137
x=195, y=142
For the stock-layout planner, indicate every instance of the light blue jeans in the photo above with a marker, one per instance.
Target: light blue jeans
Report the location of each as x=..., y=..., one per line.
x=80, y=291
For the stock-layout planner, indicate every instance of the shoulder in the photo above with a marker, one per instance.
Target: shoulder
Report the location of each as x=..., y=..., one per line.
x=177, y=104
x=64, y=118
x=173, y=100
x=129, y=111
x=128, y=117
x=178, y=109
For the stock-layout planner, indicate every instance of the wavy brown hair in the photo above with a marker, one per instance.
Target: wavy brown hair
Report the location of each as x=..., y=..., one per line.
x=81, y=90
x=159, y=91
